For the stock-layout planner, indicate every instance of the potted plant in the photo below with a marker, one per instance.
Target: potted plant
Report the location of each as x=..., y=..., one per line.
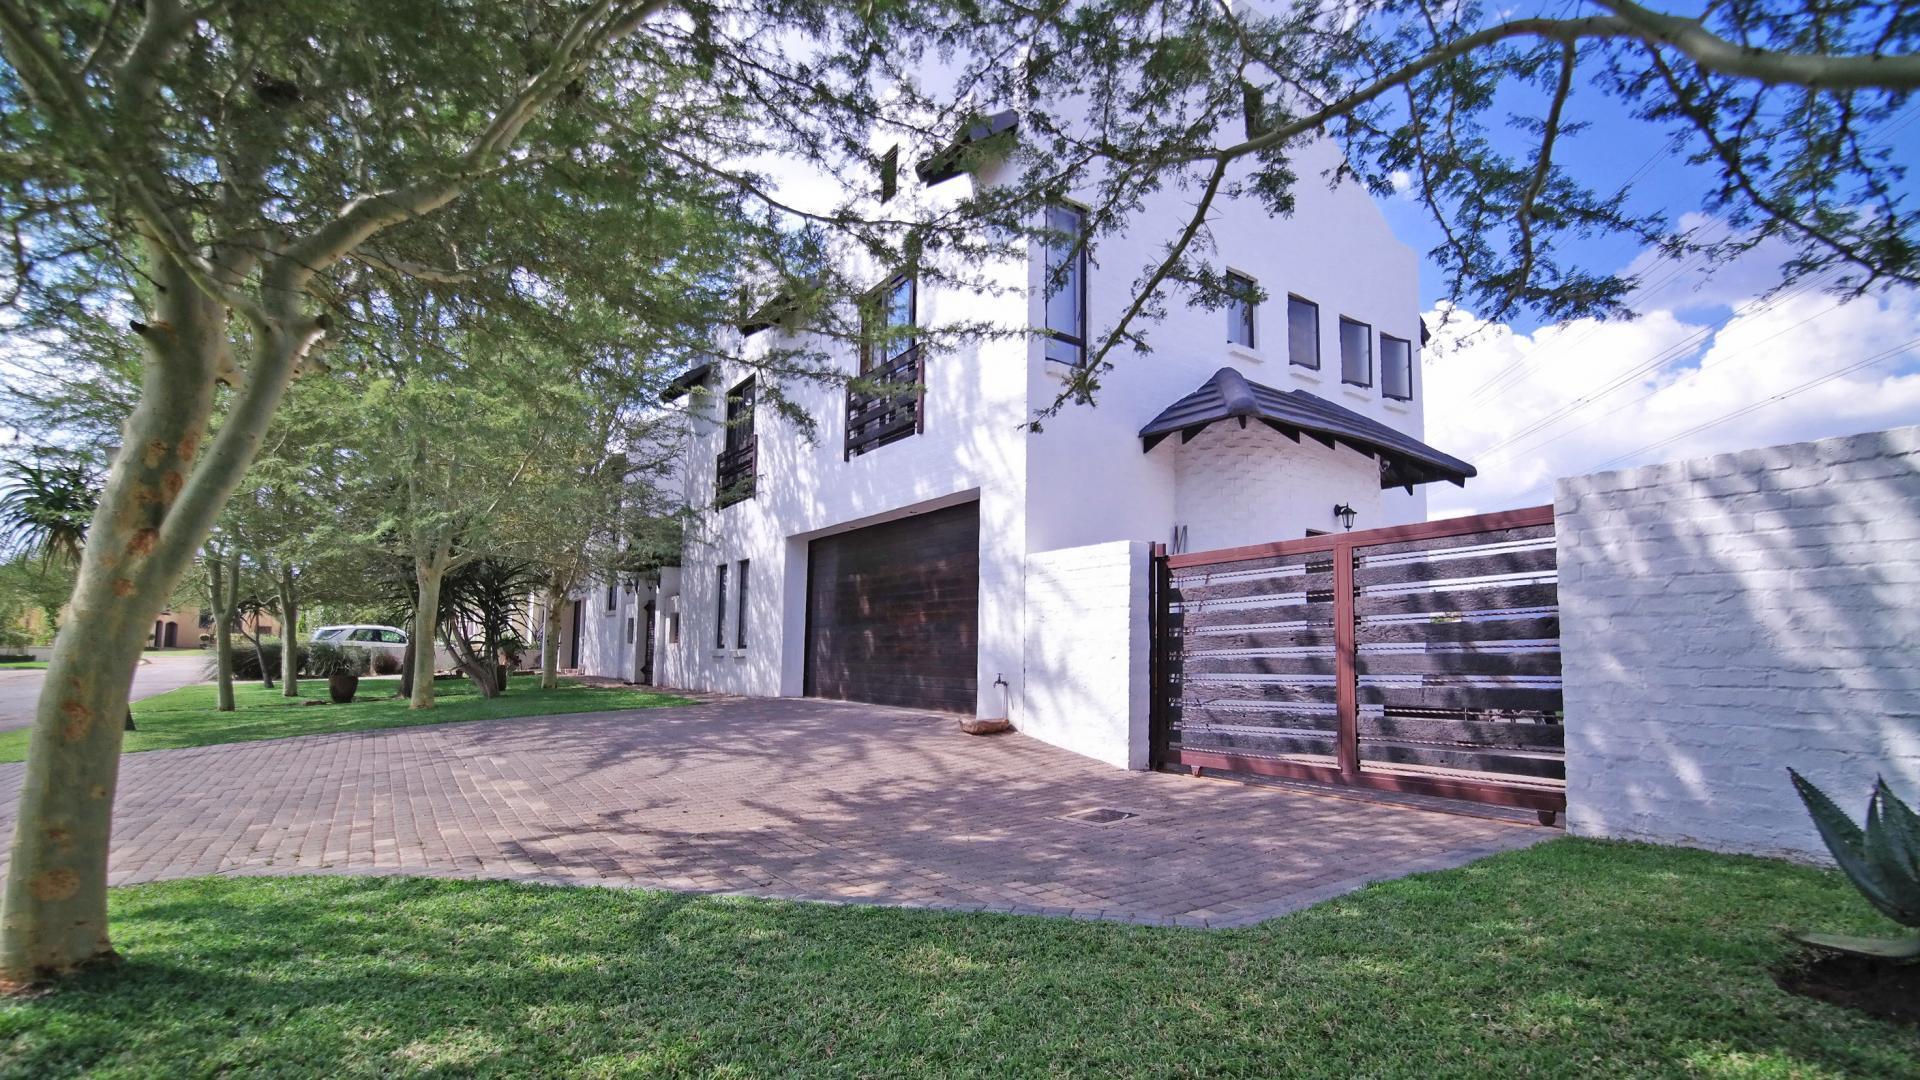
x=512, y=650
x=340, y=665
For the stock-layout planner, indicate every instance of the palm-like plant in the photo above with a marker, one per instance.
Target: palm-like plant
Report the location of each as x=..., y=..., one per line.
x=46, y=508
x=1882, y=860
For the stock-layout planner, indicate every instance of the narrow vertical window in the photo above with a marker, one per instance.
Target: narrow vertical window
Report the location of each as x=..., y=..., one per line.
x=890, y=173
x=1303, y=332
x=889, y=323
x=1396, y=367
x=1356, y=352
x=629, y=629
x=1066, y=286
x=613, y=599
x=673, y=629
x=720, y=607
x=740, y=607
x=1240, y=309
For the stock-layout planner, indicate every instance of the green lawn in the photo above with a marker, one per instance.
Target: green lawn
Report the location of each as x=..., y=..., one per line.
x=23, y=665
x=1573, y=958
x=186, y=717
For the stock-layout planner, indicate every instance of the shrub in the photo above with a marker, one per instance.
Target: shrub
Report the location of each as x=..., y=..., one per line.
x=246, y=663
x=15, y=658
x=324, y=660
x=386, y=663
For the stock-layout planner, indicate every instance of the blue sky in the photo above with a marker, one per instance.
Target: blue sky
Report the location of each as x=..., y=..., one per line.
x=1528, y=402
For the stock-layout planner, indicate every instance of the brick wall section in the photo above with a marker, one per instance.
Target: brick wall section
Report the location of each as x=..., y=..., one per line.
x=1727, y=617
x=1085, y=687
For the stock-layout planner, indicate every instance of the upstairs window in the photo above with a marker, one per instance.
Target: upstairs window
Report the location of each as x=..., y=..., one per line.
x=1240, y=309
x=735, y=467
x=720, y=606
x=1303, y=332
x=1066, y=286
x=889, y=320
x=889, y=167
x=1396, y=367
x=1356, y=352
x=613, y=595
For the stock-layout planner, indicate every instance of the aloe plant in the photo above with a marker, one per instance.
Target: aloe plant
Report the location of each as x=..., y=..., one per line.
x=1882, y=860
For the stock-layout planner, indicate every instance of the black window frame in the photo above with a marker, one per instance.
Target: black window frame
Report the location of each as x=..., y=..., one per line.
x=1384, y=391
x=1292, y=299
x=1076, y=341
x=720, y=606
x=613, y=595
x=1367, y=336
x=889, y=168
x=740, y=604
x=877, y=309
x=1246, y=309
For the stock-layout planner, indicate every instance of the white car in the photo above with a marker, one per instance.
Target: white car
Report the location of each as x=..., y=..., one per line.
x=374, y=639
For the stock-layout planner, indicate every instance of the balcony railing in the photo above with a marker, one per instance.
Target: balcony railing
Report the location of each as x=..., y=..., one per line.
x=876, y=419
x=733, y=472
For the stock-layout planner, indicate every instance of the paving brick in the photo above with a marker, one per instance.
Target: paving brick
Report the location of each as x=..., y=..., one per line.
x=768, y=797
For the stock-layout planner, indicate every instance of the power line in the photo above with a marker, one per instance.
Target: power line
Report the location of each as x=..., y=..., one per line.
x=1636, y=400
x=1656, y=360
x=1758, y=405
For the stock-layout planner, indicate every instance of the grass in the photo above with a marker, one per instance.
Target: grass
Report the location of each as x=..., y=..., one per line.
x=1571, y=958
x=23, y=665
x=186, y=716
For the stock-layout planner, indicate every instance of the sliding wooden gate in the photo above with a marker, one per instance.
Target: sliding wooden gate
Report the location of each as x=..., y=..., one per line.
x=1421, y=658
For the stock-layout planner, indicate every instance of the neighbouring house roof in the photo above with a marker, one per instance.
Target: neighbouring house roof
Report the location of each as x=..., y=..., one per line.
x=686, y=381
x=1404, y=460
x=952, y=160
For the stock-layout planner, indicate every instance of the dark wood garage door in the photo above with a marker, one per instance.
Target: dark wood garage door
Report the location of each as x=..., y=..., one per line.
x=893, y=612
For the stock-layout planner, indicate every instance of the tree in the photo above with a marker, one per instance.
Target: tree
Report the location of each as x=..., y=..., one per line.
x=118, y=117
x=45, y=510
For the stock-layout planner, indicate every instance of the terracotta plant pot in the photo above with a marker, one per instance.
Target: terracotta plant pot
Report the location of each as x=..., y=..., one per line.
x=341, y=688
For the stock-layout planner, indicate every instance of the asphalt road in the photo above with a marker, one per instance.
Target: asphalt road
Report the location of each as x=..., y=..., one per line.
x=157, y=674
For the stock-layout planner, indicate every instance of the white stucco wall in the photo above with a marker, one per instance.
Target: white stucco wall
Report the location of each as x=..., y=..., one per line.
x=1086, y=652
x=1728, y=617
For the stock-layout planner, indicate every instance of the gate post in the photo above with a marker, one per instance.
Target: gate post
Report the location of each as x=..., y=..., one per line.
x=1158, y=691
x=1345, y=666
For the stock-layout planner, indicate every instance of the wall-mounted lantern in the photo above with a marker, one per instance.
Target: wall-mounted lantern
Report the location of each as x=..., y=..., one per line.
x=1346, y=514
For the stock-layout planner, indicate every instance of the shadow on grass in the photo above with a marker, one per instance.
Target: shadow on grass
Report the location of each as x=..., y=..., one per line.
x=1573, y=957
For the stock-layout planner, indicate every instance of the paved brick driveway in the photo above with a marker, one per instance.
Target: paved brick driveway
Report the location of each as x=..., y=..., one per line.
x=784, y=798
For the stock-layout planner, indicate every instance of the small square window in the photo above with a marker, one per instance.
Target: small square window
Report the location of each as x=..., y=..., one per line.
x=1303, y=332
x=1240, y=309
x=1356, y=352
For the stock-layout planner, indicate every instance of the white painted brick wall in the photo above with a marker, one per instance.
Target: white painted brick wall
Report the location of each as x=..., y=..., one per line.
x=1253, y=485
x=1727, y=617
x=1085, y=686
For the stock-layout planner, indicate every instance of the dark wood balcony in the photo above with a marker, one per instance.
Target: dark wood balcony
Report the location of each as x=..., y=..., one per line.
x=733, y=472
x=876, y=419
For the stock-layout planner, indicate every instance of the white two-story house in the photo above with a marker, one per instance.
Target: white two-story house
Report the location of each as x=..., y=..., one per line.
x=927, y=550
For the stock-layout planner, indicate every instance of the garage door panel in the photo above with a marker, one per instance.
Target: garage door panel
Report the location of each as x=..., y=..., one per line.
x=893, y=612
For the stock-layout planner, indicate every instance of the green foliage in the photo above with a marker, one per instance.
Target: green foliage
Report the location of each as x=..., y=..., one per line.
x=45, y=509
x=247, y=659
x=1882, y=861
x=1570, y=959
x=324, y=660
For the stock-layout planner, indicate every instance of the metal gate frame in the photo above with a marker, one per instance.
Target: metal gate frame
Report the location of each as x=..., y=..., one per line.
x=1167, y=659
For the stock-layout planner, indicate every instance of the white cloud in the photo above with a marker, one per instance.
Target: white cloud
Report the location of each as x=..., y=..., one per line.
x=1589, y=396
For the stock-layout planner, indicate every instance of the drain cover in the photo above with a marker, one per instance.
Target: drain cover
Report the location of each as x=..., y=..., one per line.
x=1100, y=815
